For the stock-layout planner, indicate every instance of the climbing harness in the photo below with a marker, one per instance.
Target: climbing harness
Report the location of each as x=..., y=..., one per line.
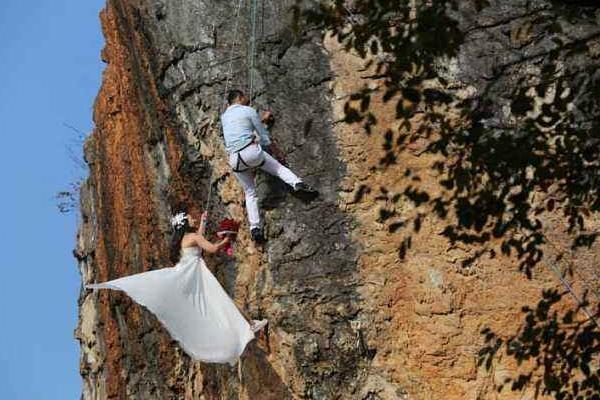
x=242, y=165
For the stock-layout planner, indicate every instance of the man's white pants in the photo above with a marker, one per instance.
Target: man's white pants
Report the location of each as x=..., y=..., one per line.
x=254, y=157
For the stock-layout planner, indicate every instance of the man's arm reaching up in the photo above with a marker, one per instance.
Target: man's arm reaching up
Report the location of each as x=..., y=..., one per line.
x=263, y=134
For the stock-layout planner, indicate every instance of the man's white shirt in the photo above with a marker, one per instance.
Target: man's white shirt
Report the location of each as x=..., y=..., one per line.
x=239, y=123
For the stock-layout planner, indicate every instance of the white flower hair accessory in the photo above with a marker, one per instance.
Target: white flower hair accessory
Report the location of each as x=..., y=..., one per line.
x=178, y=220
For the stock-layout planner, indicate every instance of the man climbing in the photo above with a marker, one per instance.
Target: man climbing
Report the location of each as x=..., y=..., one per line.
x=247, y=153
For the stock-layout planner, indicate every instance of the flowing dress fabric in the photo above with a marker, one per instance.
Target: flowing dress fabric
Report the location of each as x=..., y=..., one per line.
x=193, y=307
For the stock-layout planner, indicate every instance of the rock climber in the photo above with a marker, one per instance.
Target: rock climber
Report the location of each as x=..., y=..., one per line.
x=249, y=151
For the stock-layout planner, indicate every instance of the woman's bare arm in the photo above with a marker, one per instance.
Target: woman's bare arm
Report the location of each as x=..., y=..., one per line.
x=207, y=246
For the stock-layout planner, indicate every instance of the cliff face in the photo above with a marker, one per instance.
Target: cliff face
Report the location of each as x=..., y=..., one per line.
x=369, y=290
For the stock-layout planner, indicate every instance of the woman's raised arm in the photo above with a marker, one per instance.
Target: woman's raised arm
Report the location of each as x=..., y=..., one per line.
x=207, y=246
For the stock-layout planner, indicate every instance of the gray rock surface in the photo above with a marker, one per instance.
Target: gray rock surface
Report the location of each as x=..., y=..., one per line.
x=157, y=146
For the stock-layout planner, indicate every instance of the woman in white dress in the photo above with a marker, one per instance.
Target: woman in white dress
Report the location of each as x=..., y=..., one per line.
x=189, y=301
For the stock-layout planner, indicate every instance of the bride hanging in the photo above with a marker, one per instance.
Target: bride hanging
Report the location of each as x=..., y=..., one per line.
x=189, y=301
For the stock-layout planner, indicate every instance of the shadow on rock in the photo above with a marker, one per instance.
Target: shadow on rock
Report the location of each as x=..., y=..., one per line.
x=556, y=352
x=524, y=142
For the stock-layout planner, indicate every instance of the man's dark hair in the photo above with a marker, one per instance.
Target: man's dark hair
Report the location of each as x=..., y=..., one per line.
x=233, y=95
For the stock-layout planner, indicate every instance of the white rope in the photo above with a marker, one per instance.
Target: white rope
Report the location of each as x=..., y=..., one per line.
x=210, y=186
x=585, y=283
x=227, y=79
x=252, y=50
x=568, y=286
x=235, y=33
x=571, y=291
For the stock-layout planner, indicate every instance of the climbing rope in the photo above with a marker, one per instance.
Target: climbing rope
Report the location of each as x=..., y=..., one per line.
x=571, y=291
x=229, y=72
x=261, y=39
x=570, y=288
x=210, y=186
x=227, y=79
x=252, y=55
x=584, y=280
x=230, y=69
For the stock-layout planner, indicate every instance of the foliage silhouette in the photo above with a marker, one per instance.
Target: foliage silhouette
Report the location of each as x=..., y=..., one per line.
x=524, y=143
x=556, y=352
x=501, y=172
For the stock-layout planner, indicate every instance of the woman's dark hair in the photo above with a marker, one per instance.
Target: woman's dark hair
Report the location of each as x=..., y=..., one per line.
x=178, y=235
x=233, y=95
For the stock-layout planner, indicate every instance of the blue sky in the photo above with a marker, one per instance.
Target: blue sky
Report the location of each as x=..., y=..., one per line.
x=50, y=72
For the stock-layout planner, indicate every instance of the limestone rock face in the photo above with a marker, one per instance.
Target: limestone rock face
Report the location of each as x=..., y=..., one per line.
x=366, y=296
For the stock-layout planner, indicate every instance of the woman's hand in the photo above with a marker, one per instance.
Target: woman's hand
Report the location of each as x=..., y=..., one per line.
x=210, y=247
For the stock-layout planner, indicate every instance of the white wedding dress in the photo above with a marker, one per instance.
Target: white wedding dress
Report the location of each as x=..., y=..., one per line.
x=193, y=307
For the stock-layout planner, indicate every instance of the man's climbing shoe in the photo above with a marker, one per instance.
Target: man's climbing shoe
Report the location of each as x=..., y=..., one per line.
x=305, y=191
x=257, y=235
x=258, y=325
x=303, y=187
